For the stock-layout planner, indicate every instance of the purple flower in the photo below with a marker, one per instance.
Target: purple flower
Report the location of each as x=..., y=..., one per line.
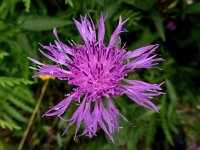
x=98, y=72
x=171, y=26
x=197, y=147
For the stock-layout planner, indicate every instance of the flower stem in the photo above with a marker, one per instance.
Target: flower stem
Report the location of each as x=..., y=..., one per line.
x=44, y=87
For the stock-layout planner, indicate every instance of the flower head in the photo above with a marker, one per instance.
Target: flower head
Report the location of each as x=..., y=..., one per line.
x=171, y=26
x=98, y=72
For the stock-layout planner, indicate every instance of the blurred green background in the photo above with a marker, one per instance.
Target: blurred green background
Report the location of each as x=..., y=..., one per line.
x=174, y=24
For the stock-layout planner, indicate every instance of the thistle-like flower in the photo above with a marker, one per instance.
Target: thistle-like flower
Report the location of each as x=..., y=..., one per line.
x=98, y=74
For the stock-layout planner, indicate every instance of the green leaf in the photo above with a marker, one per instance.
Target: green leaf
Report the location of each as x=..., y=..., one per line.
x=144, y=4
x=20, y=104
x=171, y=92
x=59, y=140
x=11, y=81
x=150, y=133
x=158, y=24
x=167, y=133
x=3, y=54
x=27, y=4
x=3, y=144
x=9, y=119
x=6, y=125
x=24, y=94
x=14, y=113
x=7, y=8
x=69, y=2
x=14, y=102
x=42, y=23
x=194, y=8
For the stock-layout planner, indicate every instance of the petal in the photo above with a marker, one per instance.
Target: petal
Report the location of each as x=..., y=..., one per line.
x=77, y=116
x=143, y=85
x=140, y=92
x=86, y=29
x=143, y=102
x=116, y=33
x=139, y=51
x=101, y=28
x=56, y=56
x=144, y=57
x=80, y=29
x=60, y=108
x=35, y=61
x=53, y=70
x=64, y=47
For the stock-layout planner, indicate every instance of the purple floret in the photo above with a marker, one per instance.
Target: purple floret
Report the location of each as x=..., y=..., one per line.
x=98, y=73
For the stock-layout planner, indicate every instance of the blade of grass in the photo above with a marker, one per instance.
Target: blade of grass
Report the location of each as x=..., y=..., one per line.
x=44, y=87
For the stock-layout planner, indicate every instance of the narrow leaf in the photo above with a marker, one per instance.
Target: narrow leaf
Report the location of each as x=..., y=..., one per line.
x=159, y=25
x=42, y=23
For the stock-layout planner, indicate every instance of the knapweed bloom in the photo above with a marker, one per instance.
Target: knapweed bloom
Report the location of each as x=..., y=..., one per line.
x=171, y=26
x=98, y=73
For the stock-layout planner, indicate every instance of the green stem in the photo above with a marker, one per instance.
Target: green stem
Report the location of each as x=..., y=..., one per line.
x=44, y=87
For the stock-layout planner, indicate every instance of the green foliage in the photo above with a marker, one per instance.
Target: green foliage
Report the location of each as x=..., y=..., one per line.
x=6, y=125
x=3, y=54
x=13, y=94
x=193, y=9
x=12, y=100
x=7, y=8
x=10, y=81
x=159, y=25
x=69, y=2
x=27, y=4
x=42, y=23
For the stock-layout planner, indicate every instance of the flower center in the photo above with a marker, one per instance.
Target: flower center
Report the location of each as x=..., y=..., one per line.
x=97, y=68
